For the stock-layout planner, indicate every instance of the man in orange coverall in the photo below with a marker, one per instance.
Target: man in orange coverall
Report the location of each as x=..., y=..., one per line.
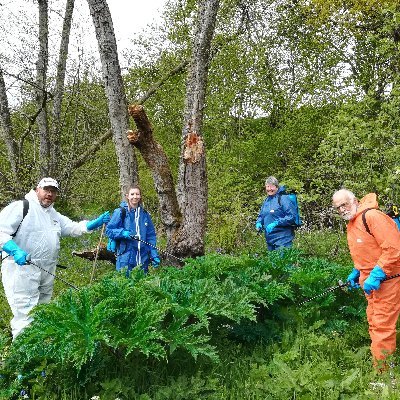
x=376, y=255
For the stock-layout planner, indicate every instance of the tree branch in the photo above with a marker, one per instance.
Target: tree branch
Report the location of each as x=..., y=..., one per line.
x=179, y=68
x=89, y=153
x=156, y=159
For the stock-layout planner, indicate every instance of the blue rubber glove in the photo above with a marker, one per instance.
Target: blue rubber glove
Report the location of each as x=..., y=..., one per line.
x=126, y=235
x=259, y=226
x=111, y=245
x=270, y=227
x=353, y=279
x=155, y=262
x=20, y=256
x=99, y=221
x=373, y=282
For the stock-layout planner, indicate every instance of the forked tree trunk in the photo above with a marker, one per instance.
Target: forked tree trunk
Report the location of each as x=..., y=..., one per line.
x=183, y=214
x=117, y=104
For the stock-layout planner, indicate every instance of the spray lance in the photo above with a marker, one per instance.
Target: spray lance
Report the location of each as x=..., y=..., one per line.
x=28, y=261
x=341, y=285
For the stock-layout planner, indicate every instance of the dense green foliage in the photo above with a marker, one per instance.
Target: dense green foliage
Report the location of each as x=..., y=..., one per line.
x=222, y=327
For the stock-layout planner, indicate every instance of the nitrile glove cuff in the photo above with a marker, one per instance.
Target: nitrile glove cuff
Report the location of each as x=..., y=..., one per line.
x=373, y=282
x=10, y=247
x=126, y=234
x=270, y=227
x=378, y=273
x=99, y=221
x=20, y=256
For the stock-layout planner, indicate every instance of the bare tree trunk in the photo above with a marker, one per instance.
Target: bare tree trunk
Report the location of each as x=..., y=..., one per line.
x=59, y=90
x=6, y=131
x=41, y=92
x=192, y=189
x=117, y=104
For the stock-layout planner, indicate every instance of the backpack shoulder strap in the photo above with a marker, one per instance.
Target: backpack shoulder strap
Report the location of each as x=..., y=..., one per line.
x=364, y=219
x=25, y=209
x=123, y=214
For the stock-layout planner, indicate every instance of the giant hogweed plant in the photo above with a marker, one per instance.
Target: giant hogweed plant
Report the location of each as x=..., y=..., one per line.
x=152, y=316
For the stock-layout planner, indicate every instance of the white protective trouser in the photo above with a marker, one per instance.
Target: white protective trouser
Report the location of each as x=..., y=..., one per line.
x=25, y=287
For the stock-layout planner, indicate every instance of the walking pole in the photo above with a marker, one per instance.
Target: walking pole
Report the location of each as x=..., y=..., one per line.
x=97, y=252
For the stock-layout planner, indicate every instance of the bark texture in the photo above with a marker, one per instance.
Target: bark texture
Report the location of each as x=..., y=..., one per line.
x=117, y=103
x=59, y=90
x=157, y=161
x=7, y=134
x=192, y=188
x=184, y=212
x=41, y=92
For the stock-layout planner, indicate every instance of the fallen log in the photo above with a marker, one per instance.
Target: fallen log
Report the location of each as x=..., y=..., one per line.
x=103, y=254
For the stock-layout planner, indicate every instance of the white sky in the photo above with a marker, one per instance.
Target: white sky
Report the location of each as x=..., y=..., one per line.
x=131, y=16
x=18, y=31
x=129, y=19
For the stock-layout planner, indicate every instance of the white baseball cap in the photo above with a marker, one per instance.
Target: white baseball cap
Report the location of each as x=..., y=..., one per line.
x=48, y=182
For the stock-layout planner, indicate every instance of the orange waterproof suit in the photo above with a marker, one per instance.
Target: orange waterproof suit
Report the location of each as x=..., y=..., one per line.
x=381, y=247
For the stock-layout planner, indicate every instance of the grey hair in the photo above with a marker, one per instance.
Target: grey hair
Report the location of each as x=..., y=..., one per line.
x=271, y=180
x=344, y=192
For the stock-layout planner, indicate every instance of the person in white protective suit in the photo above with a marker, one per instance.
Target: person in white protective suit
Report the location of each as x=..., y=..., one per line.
x=37, y=241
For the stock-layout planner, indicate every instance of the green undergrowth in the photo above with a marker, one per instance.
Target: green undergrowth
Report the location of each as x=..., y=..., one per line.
x=222, y=327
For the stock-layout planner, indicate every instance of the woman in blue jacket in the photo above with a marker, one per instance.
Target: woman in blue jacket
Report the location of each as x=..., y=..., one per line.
x=277, y=216
x=133, y=231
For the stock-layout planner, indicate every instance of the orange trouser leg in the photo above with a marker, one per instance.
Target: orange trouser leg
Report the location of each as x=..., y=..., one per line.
x=382, y=313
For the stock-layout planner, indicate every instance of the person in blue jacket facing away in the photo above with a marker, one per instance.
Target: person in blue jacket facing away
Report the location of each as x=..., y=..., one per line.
x=277, y=216
x=126, y=227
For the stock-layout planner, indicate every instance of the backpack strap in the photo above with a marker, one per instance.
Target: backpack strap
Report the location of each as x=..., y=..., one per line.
x=25, y=209
x=364, y=220
x=280, y=198
x=282, y=194
x=123, y=214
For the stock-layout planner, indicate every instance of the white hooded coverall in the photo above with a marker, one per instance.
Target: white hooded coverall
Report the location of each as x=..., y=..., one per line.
x=39, y=235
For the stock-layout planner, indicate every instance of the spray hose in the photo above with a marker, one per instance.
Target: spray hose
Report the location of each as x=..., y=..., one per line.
x=55, y=276
x=154, y=247
x=340, y=286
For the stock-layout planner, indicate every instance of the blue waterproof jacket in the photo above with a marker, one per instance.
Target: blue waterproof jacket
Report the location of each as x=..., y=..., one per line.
x=131, y=253
x=284, y=214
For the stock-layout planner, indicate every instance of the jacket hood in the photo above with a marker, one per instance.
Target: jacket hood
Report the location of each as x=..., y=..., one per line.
x=368, y=201
x=32, y=196
x=281, y=189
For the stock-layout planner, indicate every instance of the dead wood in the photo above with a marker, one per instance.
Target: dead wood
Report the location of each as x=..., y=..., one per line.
x=90, y=255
